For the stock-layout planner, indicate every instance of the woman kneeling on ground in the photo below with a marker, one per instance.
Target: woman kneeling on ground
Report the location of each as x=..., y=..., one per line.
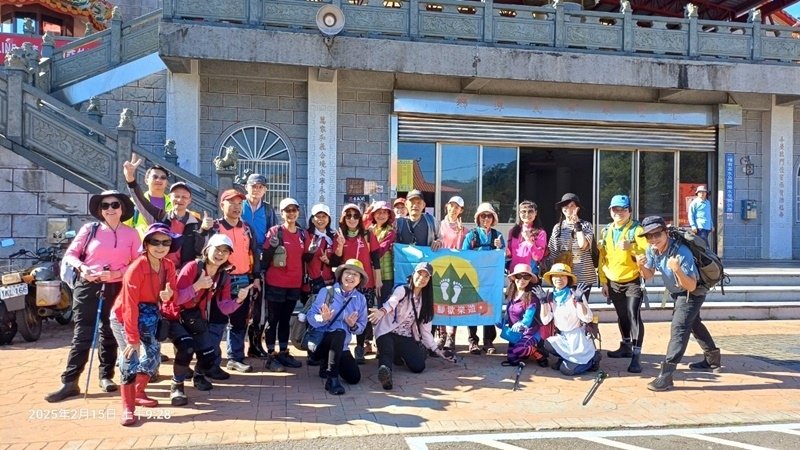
x=149, y=281
x=336, y=315
x=207, y=280
x=403, y=323
x=569, y=309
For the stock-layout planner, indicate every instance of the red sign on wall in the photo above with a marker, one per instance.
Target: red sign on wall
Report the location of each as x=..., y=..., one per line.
x=11, y=40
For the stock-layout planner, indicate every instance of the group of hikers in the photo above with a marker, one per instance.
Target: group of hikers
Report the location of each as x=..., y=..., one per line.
x=161, y=272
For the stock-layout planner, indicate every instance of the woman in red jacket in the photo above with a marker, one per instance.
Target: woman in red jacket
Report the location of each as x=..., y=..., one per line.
x=149, y=281
x=207, y=280
x=353, y=241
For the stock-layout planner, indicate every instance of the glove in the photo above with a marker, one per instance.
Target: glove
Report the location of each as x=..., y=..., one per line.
x=539, y=293
x=499, y=325
x=582, y=290
x=518, y=327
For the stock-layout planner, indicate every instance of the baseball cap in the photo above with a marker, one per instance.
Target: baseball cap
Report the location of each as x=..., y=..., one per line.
x=622, y=201
x=424, y=266
x=415, y=193
x=457, y=200
x=287, y=202
x=320, y=207
x=231, y=194
x=651, y=224
x=180, y=184
x=256, y=178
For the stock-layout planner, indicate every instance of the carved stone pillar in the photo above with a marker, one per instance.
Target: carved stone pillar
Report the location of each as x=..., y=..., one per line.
x=17, y=73
x=93, y=110
x=126, y=134
x=170, y=152
x=225, y=178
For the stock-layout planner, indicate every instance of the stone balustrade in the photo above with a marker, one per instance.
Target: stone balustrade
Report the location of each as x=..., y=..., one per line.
x=560, y=27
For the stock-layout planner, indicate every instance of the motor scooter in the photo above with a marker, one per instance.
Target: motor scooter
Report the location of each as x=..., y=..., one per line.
x=33, y=293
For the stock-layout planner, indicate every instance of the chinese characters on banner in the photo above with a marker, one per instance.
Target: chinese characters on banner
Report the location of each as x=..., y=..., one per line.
x=730, y=173
x=11, y=40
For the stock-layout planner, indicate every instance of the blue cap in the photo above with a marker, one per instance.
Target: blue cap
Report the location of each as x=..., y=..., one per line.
x=620, y=200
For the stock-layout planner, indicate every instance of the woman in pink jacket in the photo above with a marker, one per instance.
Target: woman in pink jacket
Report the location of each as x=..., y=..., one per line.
x=527, y=240
x=101, y=253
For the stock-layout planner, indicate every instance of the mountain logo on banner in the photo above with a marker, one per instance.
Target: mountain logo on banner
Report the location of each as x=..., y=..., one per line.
x=456, y=287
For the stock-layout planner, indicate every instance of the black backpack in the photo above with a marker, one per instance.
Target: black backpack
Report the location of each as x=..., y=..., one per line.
x=709, y=266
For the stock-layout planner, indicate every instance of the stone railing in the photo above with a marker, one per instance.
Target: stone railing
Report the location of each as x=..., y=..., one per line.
x=118, y=44
x=70, y=144
x=560, y=27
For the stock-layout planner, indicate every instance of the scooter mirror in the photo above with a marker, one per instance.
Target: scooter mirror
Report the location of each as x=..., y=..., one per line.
x=70, y=234
x=6, y=243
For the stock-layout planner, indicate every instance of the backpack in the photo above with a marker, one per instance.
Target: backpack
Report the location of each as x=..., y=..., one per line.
x=602, y=241
x=475, y=241
x=709, y=266
x=433, y=230
x=69, y=274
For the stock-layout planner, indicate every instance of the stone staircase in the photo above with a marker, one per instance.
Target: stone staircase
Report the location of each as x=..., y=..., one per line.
x=55, y=136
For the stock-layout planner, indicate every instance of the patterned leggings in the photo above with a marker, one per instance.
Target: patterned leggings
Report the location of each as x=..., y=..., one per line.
x=148, y=358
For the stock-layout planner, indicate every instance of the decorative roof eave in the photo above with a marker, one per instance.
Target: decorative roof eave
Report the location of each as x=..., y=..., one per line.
x=97, y=11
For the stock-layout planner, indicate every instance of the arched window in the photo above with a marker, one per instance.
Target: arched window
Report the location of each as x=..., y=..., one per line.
x=263, y=150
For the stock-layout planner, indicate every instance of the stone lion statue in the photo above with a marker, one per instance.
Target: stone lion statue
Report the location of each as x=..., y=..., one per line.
x=227, y=161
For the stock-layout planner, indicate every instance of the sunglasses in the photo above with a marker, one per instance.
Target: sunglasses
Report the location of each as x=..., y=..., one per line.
x=522, y=276
x=113, y=205
x=653, y=235
x=158, y=177
x=160, y=243
x=352, y=216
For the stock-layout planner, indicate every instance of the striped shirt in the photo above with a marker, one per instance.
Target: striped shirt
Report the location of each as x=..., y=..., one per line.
x=582, y=265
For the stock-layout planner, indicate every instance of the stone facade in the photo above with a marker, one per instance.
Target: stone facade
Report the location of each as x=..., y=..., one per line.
x=147, y=99
x=31, y=195
x=132, y=9
x=796, y=181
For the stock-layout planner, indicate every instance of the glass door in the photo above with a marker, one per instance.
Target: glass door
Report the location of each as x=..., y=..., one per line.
x=657, y=183
x=614, y=177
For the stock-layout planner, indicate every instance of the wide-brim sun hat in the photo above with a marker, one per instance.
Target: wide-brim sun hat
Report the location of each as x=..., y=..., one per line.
x=381, y=205
x=486, y=207
x=521, y=268
x=160, y=228
x=566, y=198
x=352, y=264
x=560, y=269
x=218, y=240
x=125, y=201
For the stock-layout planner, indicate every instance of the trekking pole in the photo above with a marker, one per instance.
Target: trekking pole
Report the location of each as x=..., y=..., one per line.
x=519, y=372
x=598, y=380
x=101, y=298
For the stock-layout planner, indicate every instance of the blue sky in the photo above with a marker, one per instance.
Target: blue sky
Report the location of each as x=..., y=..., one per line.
x=794, y=10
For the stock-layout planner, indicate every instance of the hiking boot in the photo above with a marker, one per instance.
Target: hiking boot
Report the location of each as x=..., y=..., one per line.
x=323, y=371
x=368, y=350
x=311, y=361
x=200, y=383
x=385, y=377
x=239, y=366
x=107, y=385
x=710, y=362
x=216, y=373
x=334, y=386
x=177, y=397
x=634, y=366
x=663, y=381
x=67, y=390
x=272, y=364
x=359, y=355
x=474, y=349
x=624, y=351
x=286, y=358
x=450, y=342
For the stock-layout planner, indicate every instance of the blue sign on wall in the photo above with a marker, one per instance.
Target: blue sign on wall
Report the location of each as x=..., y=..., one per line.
x=730, y=174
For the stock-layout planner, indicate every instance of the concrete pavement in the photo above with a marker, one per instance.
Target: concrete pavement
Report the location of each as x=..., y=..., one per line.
x=473, y=395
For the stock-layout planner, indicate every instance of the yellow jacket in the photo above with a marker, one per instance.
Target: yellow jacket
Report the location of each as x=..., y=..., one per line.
x=140, y=223
x=615, y=263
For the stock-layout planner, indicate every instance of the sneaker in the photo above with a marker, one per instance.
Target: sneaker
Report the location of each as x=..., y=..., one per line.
x=359, y=355
x=216, y=373
x=201, y=384
x=239, y=366
x=450, y=342
x=474, y=349
x=385, y=377
x=490, y=350
x=368, y=348
x=272, y=364
x=286, y=358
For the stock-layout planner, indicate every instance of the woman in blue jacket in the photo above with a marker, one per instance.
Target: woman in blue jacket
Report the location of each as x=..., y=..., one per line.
x=335, y=317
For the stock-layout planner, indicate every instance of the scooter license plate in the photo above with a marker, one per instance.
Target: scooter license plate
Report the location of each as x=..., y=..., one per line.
x=13, y=291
